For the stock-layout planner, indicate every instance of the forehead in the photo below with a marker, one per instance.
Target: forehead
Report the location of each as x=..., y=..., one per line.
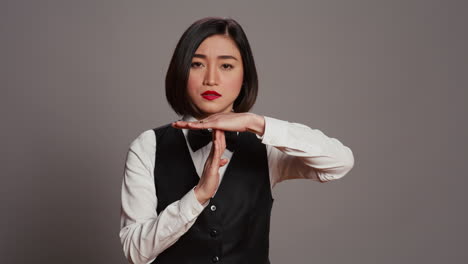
x=218, y=45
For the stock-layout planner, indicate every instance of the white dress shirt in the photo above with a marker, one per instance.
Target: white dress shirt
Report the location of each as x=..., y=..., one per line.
x=294, y=151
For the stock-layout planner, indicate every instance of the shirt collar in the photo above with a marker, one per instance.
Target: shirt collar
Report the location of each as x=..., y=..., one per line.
x=188, y=118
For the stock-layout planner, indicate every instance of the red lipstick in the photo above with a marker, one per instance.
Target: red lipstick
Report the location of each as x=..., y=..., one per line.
x=210, y=95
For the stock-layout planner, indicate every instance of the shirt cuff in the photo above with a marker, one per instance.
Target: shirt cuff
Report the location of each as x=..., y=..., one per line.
x=190, y=207
x=275, y=131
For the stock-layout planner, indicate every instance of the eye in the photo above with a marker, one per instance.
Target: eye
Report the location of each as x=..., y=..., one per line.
x=196, y=65
x=227, y=66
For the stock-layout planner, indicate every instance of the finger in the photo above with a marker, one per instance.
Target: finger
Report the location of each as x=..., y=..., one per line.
x=175, y=124
x=198, y=125
x=219, y=139
x=215, y=147
x=223, y=162
x=212, y=150
x=222, y=139
x=221, y=146
x=189, y=125
x=180, y=124
x=205, y=124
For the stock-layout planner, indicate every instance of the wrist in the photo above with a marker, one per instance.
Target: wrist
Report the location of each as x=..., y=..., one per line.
x=202, y=199
x=256, y=124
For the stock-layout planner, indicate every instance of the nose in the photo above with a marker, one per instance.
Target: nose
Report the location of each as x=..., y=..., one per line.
x=211, y=76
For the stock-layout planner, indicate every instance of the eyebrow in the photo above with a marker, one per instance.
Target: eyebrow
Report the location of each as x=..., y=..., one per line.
x=219, y=57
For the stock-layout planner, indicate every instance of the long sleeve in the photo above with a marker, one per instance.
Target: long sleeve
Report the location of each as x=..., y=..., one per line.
x=295, y=151
x=143, y=233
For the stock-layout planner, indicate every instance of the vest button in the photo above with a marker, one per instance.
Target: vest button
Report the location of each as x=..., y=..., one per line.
x=214, y=233
x=213, y=207
x=215, y=259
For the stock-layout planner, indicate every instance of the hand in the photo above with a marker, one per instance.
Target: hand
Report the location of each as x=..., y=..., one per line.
x=228, y=122
x=209, y=181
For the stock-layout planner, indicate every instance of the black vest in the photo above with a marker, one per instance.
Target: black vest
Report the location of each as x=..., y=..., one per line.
x=234, y=228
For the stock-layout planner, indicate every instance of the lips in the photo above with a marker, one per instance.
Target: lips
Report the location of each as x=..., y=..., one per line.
x=210, y=95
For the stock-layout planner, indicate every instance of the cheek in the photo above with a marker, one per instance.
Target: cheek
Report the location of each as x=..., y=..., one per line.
x=193, y=83
x=235, y=82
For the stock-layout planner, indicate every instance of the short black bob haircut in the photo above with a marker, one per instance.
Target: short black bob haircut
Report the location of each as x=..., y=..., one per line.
x=179, y=67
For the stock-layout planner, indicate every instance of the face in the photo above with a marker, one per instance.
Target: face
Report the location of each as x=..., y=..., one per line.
x=216, y=75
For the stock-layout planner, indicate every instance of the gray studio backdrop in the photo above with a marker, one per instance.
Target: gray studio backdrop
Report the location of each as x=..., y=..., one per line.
x=81, y=79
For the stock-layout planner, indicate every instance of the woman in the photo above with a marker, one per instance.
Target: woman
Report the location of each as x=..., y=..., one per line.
x=199, y=190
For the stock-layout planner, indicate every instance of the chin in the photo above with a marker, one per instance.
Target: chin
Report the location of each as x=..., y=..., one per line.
x=211, y=110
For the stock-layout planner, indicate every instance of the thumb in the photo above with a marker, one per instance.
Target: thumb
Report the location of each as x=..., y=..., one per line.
x=223, y=162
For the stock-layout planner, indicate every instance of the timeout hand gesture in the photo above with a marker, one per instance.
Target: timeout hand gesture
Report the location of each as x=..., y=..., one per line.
x=220, y=122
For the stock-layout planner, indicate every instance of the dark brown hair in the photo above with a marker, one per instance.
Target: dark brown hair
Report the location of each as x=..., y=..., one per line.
x=179, y=67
